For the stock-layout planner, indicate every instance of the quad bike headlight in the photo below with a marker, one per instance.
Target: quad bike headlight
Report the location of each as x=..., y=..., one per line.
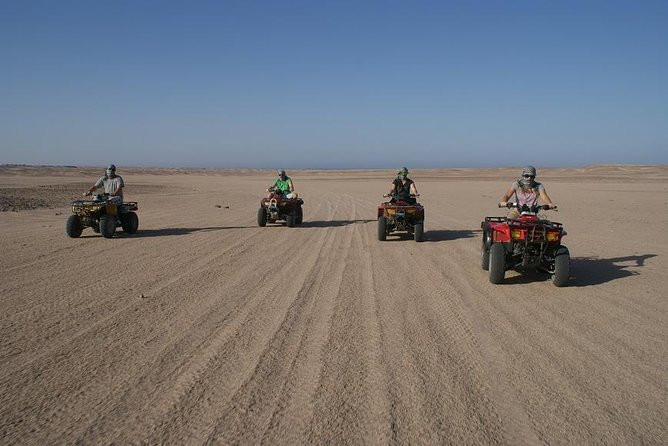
x=517, y=234
x=391, y=211
x=410, y=210
x=552, y=236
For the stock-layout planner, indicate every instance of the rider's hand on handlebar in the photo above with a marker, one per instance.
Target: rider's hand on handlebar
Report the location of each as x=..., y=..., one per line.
x=504, y=204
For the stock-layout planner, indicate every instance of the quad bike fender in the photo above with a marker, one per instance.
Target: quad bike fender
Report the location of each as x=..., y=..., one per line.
x=381, y=210
x=111, y=209
x=499, y=233
x=130, y=206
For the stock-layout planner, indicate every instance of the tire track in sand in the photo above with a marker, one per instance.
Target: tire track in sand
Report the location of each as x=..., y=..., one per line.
x=230, y=356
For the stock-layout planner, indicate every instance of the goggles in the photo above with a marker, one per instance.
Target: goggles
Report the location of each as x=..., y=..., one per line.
x=526, y=175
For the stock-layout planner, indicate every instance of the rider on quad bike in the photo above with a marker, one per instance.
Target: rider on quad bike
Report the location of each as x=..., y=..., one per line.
x=403, y=188
x=281, y=203
x=402, y=212
x=106, y=211
x=525, y=239
x=283, y=185
x=113, y=185
x=526, y=191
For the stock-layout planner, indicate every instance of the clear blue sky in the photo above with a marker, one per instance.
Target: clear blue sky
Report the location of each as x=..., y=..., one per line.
x=333, y=83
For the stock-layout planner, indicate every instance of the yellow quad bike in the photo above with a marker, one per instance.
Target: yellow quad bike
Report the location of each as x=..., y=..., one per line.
x=103, y=216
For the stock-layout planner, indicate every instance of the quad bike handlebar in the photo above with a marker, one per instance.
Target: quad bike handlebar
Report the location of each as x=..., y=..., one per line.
x=535, y=208
x=394, y=195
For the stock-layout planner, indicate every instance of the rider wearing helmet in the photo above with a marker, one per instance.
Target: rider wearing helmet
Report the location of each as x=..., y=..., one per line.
x=113, y=185
x=526, y=191
x=403, y=188
x=283, y=185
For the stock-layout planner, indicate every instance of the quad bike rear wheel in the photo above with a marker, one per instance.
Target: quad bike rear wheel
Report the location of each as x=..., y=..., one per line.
x=290, y=220
x=107, y=225
x=129, y=222
x=382, y=228
x=261, y=217
x=562, y=260
x=418, y=231
x=73, y=226
x=497, y=263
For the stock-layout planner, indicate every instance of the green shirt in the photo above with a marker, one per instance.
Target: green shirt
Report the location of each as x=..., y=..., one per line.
x=282, y=185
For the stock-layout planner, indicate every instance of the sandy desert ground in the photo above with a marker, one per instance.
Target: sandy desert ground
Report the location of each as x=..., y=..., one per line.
x=321, y=334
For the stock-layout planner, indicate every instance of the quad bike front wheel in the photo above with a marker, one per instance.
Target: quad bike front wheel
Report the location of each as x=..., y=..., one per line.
x=562, y=260
x=129, y=222
x=107, y=225
x=261, y=217
x=418, y=232
x=382, y=228
x=73, y=226
x=497, y=263
x=300, y=215
x=484, y=256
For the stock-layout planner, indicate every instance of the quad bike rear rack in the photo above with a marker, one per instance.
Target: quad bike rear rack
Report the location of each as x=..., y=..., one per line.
x=493, y=219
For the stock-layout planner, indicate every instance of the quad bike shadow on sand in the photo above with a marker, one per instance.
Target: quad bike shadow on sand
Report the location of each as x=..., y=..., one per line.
x=276, y=207
x=399, y=215
x=529, y=242
x=103, y=216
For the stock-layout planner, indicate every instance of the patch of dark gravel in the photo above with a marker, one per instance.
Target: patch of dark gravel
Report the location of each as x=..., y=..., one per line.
x=52, y=196
x=37, y=197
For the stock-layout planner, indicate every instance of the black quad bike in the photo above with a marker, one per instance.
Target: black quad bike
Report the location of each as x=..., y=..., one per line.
x=277, y=207
x=399, y=215
x=103, y=216
x=528, y=242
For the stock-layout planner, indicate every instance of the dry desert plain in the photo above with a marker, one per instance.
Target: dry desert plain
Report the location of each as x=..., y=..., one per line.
x=204, y=328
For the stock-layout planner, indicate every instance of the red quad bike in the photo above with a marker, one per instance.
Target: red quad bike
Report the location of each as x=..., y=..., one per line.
x=529, y=242
x=398, y=215
x=277, y=207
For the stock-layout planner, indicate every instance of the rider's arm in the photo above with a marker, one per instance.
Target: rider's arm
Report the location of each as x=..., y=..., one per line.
x=509, y=193
x=413, y=189
x=98, y=184
x=392, y=187
x=546, y=198
x=117, y=192
x=292, y=186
